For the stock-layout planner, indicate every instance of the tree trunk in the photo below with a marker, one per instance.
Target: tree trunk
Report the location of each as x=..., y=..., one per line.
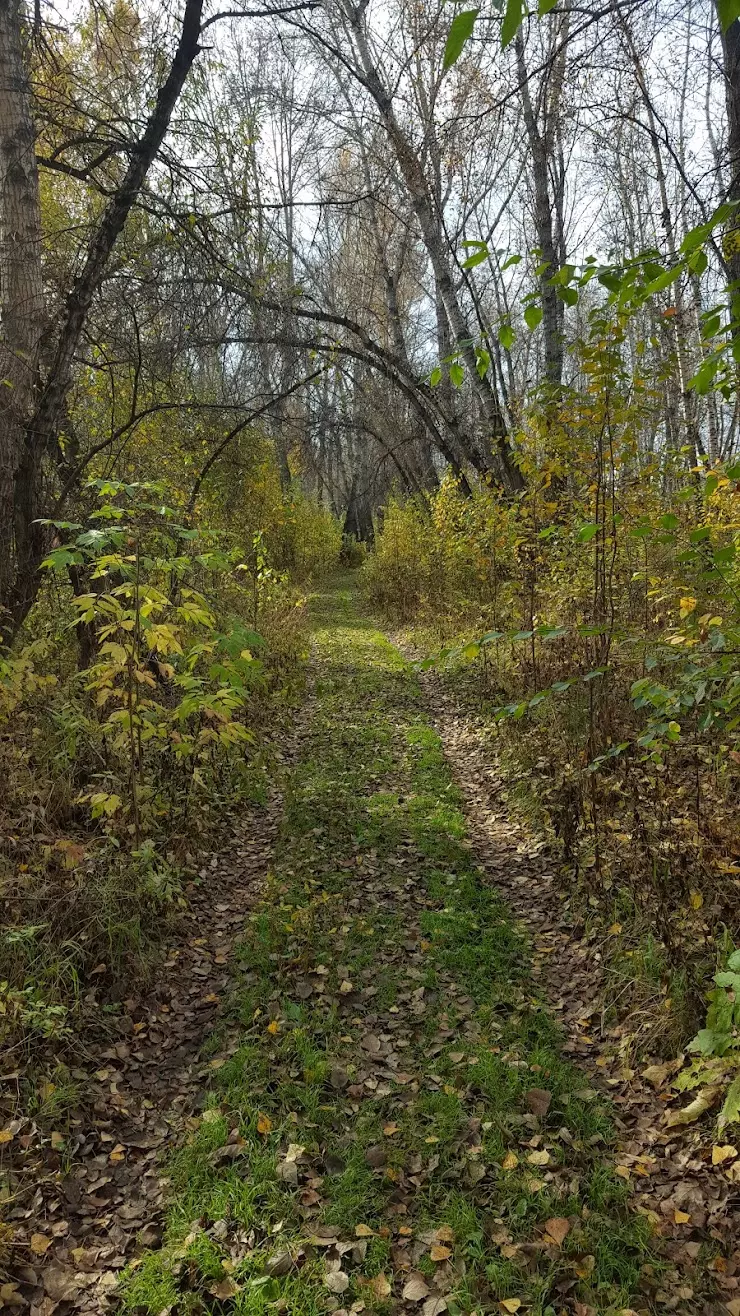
x=731, y=54
x=19, y=573
x=502, y=464
x=21, y=302
x=552, y=315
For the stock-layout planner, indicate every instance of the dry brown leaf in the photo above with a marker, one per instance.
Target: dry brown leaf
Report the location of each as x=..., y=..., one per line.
x=445, y=1234
x=556, y=1230
x=722, y=1154
x=336, y=1281
x=538, y=1100
x=224, y=1288
x=39, y=1244
x=434, y=1305
x=440, y=1253
x=658, y=1074
x=416, y=1288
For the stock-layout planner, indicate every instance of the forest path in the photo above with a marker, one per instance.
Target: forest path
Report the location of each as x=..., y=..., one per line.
x=381, y=1116
x=396, y=1126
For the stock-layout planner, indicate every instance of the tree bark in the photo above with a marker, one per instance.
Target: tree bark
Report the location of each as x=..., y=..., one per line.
x=21, y=289
x=552, y=307
x=731, y=59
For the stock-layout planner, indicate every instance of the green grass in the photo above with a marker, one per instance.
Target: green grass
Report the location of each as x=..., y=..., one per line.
x=374, y=884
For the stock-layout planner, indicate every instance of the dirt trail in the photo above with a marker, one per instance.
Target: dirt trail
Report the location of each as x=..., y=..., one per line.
x=373, y=1102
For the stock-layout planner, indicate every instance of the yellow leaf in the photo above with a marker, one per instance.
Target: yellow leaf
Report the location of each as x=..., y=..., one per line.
x=273, y=1027
x=701, y=1103
x=6, y=1135
x=696, y=899
x=439, y=1253
x=363, y=1231
x=539, y=1158
x=445, y=1234
x=380, y=1286
x=264, y=1124
x=721, y=1154
x=390, y=1129
x=615, y=929
x=39, y=1244
x=510, y=1161
x=681, y=1217
x=510, y=1304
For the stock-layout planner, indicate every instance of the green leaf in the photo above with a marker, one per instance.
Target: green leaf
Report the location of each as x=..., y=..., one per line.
x=698, y=261
x=545, y=6
x=435, y=378
x=705, y=376
x=60, y=558
x=476, y=259
x=727, y=12
x=587, y=532
x=506, y=336
x=461, y=29
x=532, y=315
x=457, y=374
x=663, y=280
x=670, y=521
x=510, y=260
x=730, y=1112
x=512, y=22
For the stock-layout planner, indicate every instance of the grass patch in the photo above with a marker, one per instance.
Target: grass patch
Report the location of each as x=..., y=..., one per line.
x=391, y=1039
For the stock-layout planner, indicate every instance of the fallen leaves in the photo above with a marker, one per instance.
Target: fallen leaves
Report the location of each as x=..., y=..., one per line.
x=337, y=1281
x=264, y=1125
x=416, y=1288
x=538, y=1100
x=722, y=1154
x=557, y=1230
x=438, y=1252
x=539, y=1157
x=703, y=1101
x=39, y=1244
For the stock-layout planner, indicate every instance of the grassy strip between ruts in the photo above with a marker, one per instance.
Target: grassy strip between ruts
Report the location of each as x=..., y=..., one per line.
x=396, y=1125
